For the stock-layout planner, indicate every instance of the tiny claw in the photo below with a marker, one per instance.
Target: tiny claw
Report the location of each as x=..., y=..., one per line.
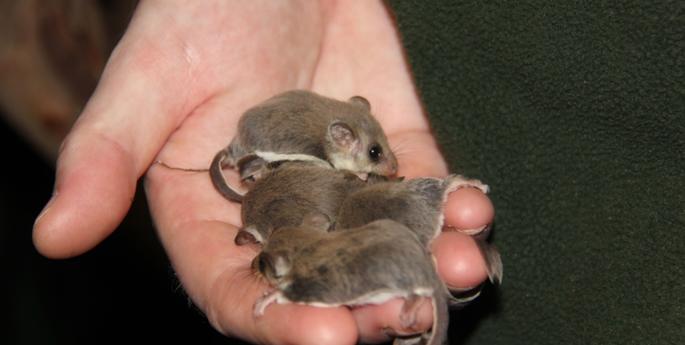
x=264, y=301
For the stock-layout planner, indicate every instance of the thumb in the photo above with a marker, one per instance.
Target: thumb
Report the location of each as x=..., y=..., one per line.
x=94, y=188
x=135, y=107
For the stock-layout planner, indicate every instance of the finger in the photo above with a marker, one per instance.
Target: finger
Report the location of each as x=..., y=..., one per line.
x=93, y=191
x=110, y=147
x=380, y=323
x=460, y=263
x=468, y=210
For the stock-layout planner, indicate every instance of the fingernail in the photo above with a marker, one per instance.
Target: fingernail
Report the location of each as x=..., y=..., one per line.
x=460, y=299
x=389, y=332
x=45, y=209
x=459, y=291
x=481, y=232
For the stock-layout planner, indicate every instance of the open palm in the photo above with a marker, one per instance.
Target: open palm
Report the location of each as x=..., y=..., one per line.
x=174, y=89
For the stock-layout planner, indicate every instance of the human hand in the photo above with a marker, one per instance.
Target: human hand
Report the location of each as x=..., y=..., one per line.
x=174, y=89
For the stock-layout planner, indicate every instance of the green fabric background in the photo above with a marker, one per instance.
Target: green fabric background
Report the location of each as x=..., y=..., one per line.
x=574, y=113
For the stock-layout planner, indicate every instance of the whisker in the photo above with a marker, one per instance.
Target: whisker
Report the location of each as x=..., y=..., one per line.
x=402, y=148
x=397, y=148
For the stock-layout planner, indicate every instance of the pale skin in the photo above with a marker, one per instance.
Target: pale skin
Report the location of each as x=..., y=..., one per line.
x=173, y=91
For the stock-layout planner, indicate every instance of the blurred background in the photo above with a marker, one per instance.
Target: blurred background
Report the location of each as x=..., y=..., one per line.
x=51, y=55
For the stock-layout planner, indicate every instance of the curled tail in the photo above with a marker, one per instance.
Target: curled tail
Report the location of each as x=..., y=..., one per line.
x=441, y=316
x=218, y=179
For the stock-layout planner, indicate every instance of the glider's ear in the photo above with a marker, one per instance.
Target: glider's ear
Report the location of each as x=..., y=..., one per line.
x=317, y=220
x=343, y=136
x=362, y=101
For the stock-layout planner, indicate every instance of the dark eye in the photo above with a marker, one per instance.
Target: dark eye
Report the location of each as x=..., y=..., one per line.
x=263, y=264
x=375, y=152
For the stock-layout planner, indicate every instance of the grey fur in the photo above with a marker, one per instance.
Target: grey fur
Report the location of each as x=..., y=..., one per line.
x=417, y=204
x=288, y=193
x=353, y=267
x=304, y=123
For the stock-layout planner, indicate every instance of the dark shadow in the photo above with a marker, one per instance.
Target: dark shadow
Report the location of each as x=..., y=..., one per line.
x=123, y=289
x=465, y=321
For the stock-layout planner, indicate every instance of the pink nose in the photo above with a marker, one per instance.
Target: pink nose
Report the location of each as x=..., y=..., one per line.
x=390, y=167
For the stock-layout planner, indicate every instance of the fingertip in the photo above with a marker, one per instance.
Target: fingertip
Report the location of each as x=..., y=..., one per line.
x=460, y=263
x=468, y=209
